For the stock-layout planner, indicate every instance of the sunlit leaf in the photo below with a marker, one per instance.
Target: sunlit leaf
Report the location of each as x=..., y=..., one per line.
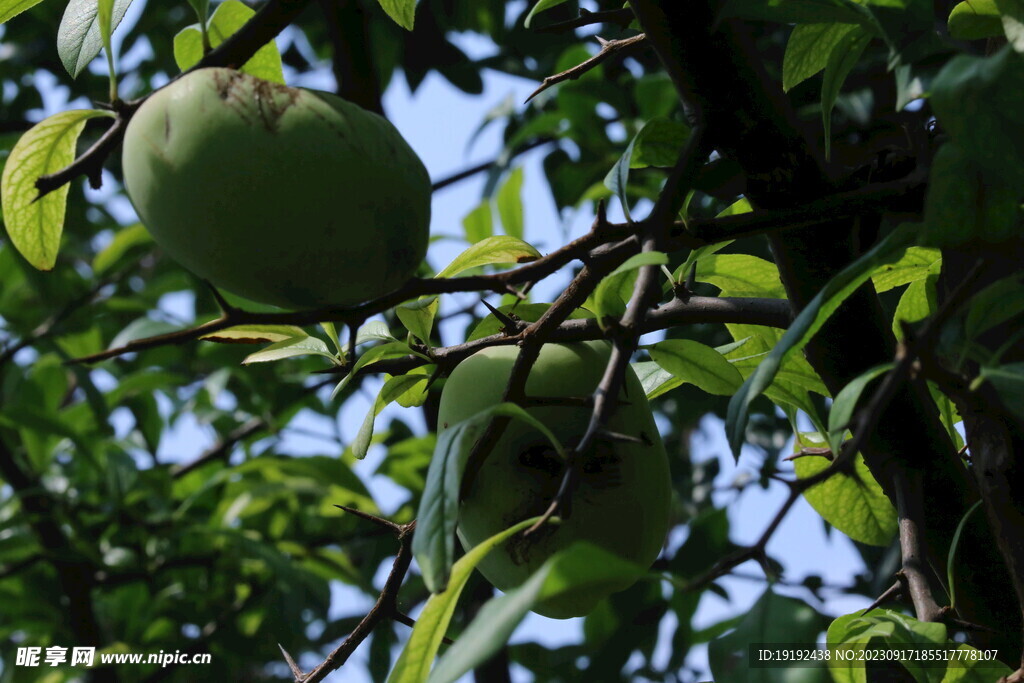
x=79, y=38
x=289, y=348
x=35, y=225
x=229, y=16
x=256, y=334
x=402, y=11
x=496, y=249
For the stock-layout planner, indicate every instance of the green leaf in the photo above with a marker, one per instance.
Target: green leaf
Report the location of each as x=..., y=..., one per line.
x=618, y=178
x=975, y=19
x=697, y=364
x=1012, y=16
x=964, y=203
x=125, y=240
x=540, y=7
x=808, y=323
x=977, y=100
x=416, y=395
x=289, y=348
x=496, y=249
x=917, y=264
x=951, y=556
x=394, y=388
x=80, y=36
x=885, y=628
x=510, y=204
x=395, y=349
x=659, y=143
x=418, y=317
x=994, y=305
x=772, y=619
x=479, y=223
x=35, y=225
x=740, y=275
x=332, y=334
x=859, y=509
x=375, y=330
x=256, y=334
x=105, y=19
x=229, y=16
x=973, y=668
x=609, y=299
x=917, y=303
x=202, y=8
x=1008, y=381
x=12, y=8
x=434, y=543
x=808, y=50
x=654, y=379
x=403, y=12
x=582, y=567
x=845, y=404
x=841, y=60
x=414, y=663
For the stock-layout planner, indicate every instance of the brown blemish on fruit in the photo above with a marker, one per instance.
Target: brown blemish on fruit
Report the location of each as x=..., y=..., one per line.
x=248, y=95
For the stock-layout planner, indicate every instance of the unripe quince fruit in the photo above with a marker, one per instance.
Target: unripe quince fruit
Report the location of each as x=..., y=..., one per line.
x=622, y=500
x=284, y=196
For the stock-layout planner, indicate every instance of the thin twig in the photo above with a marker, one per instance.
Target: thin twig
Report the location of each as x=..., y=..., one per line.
x=623, y=17
x=609, y=48
x=488, y=165
x=222, y=449
x=386, y=607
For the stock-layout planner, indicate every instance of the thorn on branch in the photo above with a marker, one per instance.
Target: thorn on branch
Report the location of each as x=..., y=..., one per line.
x=510, y=324
x=809, y=451
x=222, y=303
x=296, y=671
x=396, y=529
x=618, y=437
x=890, y=593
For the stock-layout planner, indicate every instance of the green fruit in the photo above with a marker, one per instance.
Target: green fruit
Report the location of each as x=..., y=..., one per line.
x=622, y=501
x=284, y=196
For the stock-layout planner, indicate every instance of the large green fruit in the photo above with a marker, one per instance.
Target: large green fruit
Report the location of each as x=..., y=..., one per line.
x=281, y=195
x=622, y=501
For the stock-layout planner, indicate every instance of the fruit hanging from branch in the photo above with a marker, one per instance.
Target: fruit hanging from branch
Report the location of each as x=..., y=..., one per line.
x=621, y=502
x=282, y=195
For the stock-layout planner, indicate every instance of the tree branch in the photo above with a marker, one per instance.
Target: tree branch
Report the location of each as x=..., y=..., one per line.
x=609, y=48
x=488, y=165
x=623, y=17
x=386, y=607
